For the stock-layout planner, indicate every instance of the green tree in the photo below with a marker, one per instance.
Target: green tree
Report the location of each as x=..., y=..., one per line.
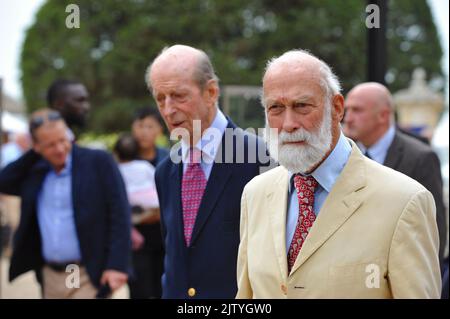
x=117, y=39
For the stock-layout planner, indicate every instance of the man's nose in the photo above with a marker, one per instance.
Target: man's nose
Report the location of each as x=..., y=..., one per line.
x=60, y=148
x=290, y=121
x=169, y=108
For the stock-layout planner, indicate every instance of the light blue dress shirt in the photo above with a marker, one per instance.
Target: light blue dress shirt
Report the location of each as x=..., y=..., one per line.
x=209, y=144
x=378, y=151
x=326, y=175
x=9, y=153
x=56, y=217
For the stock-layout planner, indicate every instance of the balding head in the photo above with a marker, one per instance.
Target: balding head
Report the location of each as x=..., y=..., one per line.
x=50, y=137
x=305, y=62
x=186, y=60
x=376, y=94
x=369, y=112
x=185, y=88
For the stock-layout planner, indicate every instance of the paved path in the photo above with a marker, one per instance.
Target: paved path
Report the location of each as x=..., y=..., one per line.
x=26, y=287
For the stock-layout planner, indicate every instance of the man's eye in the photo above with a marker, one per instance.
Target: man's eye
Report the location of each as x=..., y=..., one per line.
x=179, y=96
x=275, y=107
x=301, y=105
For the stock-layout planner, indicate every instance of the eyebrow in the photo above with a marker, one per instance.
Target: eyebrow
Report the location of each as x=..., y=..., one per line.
x=306, y=98
x=302, y=98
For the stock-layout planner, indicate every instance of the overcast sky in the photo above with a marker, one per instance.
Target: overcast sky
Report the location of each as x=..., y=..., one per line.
x=16, y=16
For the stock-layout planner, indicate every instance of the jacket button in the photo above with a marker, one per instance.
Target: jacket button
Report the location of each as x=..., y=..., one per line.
x=284, y=289
x=191, y=292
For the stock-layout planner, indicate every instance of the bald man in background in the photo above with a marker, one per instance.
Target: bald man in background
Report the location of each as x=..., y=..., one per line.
x=369, y=120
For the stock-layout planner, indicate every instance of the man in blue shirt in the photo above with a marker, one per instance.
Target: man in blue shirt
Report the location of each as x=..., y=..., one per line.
x=329, y=222
x=75, y=223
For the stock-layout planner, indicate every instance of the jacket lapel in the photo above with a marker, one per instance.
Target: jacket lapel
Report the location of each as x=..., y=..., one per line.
x=275, y=195
x=77, y=184
x=38, y=174
x=395, y=152
x=176, y=173
x=341, y=203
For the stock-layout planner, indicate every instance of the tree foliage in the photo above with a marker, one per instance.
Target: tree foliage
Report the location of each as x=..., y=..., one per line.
x=118, y=38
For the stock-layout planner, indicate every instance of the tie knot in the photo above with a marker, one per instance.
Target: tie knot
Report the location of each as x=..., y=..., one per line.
x=195, y=155
x=305, y=182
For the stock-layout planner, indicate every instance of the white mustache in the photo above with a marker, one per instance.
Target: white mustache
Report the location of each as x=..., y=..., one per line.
x=300, y=135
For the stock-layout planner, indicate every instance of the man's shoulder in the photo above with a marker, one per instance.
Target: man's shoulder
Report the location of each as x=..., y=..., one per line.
x=266, y=179
x=95, y=152
x=413, y=146
x=174, y=154
x=390, y=180
x=163, y=152
x=94, y=156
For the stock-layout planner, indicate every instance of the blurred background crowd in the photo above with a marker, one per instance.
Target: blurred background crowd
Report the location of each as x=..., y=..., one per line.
x=94, y=75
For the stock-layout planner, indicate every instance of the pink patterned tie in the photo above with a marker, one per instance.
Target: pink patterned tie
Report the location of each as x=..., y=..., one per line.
x=305, y=186
x=192, y=188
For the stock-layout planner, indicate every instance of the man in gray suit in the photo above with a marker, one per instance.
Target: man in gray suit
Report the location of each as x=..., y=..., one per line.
x=369, y=120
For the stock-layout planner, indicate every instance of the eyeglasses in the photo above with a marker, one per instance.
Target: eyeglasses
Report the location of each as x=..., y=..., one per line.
x=37, y=121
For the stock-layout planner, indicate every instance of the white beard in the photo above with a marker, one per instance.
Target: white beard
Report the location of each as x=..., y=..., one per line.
x=301, y=158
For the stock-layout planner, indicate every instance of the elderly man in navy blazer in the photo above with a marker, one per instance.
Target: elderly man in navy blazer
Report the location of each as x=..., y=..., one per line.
x=201, y=182
x=74, y=229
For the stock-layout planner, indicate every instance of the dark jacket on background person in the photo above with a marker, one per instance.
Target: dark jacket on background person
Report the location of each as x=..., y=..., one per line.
x=101, y=212
x=207, y=268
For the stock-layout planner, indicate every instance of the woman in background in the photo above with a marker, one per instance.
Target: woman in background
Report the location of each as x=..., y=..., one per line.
x=148, y=258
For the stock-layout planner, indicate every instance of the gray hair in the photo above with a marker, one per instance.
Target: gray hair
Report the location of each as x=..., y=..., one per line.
x=203, y=72
x=329, y=81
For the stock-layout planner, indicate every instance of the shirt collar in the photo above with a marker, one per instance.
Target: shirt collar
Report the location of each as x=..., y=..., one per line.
x=379, y=150
x=328, y=172
x=210, y=141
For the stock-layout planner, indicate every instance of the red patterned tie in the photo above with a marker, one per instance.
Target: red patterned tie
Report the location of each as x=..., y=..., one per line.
x=192, y=188
x=305, y=186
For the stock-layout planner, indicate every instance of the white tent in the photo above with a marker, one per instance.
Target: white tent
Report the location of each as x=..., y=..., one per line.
x=13, y=123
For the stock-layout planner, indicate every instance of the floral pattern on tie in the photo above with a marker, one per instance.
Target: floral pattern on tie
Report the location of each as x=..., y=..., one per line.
x=305, y=186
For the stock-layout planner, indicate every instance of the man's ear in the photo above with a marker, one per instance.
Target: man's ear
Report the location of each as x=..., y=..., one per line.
x=212, y=91
x=337, y=107
x=385, y=115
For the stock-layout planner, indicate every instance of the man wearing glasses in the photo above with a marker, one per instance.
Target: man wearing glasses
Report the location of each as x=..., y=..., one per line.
x=74, y=230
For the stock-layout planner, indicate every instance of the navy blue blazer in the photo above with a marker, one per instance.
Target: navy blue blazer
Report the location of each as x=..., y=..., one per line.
x=101, y=212
x=208, y=265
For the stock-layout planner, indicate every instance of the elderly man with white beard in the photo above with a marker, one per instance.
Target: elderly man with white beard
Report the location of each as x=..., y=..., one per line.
x=329, y=222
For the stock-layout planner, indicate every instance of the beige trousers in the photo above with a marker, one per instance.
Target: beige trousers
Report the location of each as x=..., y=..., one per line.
x=58, y=285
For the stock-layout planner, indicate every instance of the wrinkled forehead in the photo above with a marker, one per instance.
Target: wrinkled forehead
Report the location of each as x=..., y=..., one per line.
x=51, y=129
x=173, y=63
x=292, y=69
x=286, y=81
